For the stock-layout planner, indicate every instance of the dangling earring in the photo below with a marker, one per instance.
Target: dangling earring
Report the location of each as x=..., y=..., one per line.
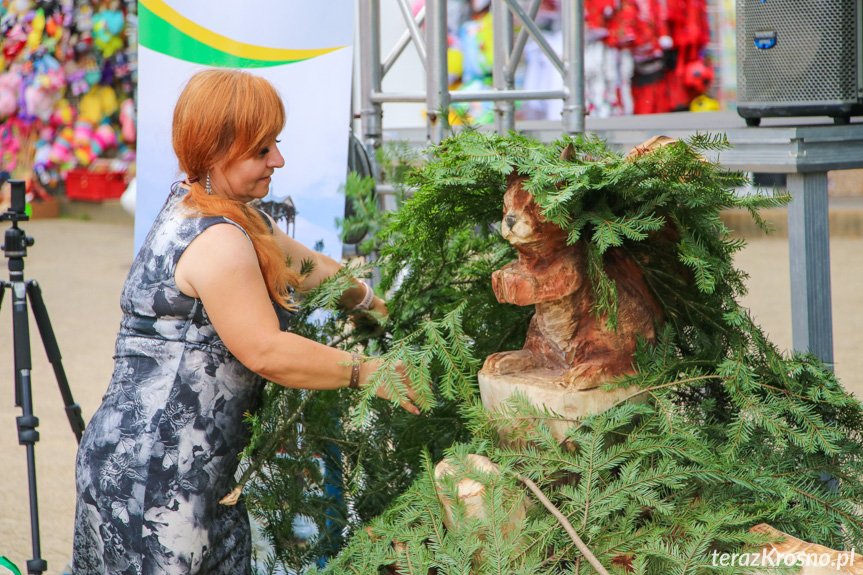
x=209, y=187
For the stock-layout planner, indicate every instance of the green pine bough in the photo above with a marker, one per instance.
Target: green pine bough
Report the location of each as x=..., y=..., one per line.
x=729, y=432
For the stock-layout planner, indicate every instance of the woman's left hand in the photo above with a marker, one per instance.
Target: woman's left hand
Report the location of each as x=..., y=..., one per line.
x=370, y=366
x=373, y=321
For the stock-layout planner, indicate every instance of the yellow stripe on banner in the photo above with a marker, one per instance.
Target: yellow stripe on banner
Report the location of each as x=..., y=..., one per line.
x=225, y=44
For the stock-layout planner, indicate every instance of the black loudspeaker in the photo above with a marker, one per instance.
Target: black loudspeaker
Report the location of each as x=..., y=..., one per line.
x=799, y=58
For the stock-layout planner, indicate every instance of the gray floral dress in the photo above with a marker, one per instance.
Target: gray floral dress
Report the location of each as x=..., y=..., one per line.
x=163, y=447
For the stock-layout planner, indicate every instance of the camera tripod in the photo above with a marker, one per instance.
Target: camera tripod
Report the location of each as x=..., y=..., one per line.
x=15, y=250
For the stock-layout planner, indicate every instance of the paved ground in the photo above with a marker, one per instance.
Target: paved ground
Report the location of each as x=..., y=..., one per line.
x=81, y=267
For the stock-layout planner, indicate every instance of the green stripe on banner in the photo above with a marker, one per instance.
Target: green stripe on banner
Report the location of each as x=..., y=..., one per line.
x=9, y=565
x=160, y=36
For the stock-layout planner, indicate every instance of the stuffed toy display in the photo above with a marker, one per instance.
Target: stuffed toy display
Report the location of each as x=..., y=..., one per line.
x=641, y=57
x=65, y=66
x=475, y=47
x=645, y=56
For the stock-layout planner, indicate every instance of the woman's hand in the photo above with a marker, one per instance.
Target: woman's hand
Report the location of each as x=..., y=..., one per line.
x=371, y=323
x=379, y=308
x=368, y=367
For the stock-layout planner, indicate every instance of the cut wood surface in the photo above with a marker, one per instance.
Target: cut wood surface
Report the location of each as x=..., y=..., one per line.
x=544, y=390
x=813, y=559
x=471, y=493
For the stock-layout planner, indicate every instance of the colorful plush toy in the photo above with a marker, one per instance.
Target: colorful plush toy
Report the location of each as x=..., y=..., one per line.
x=10, y=84
x=89, y=144
x=92, y=71
x=78, y=83
x=64, y=114
x=84, y=18
x=61, y=153
x=107, y=26
x=9, y=146
x=52, y=39
x=48, y=66
x=92, y=136
x=37, y=27
x=110, y=105
x=97, y=104
x=42, y=156
x=698, y=76
x=20, y=7
x=82, y=139
x=127, y=155
x=16, y=39
x=38, y=102
x=54, y=27
x=104, y=138
x=704, y=103
x=90, y=107
x=127, y=121
x=454, y=66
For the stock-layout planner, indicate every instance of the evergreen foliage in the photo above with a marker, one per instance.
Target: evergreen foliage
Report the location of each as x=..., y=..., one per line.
x=725, y=431
x=331, y=461
x=327, y=461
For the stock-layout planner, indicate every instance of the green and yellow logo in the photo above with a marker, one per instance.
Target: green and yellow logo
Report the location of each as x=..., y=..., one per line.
x=164, y=30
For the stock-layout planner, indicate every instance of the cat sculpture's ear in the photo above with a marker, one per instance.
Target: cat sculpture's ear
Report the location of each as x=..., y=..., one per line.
x=650, y=145
x=512, y=178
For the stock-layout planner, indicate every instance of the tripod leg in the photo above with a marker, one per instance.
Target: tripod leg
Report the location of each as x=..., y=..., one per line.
x=20, y=325
x=28, y=436
x=27, y=422
x=40, y=312
x=17, y=383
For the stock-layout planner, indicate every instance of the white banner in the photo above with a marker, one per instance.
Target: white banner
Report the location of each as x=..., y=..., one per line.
x=304, y=48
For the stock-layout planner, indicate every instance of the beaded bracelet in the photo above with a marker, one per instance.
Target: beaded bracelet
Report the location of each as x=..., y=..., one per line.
x=355, y=371
x=366, y=304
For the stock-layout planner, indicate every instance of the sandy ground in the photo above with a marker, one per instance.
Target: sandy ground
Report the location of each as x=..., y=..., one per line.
x=81, y=267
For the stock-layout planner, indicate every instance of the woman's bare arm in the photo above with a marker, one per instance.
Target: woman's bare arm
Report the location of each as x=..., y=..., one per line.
x=220, y=267
x=325, y=267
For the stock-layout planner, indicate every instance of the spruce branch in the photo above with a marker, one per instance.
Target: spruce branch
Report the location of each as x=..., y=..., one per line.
x=265, y=451
x=564, y=522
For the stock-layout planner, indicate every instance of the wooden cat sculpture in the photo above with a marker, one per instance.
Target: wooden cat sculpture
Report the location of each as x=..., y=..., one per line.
x=568, y=352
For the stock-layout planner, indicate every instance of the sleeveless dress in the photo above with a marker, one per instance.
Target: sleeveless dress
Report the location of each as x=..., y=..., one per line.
x=163, y=447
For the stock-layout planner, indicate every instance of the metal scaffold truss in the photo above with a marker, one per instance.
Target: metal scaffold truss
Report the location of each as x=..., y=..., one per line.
x=427, y=30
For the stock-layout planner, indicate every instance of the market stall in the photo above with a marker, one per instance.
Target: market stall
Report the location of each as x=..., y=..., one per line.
x=67, y=96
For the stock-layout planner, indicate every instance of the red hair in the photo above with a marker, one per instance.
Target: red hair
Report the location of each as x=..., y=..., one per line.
x=230, y=115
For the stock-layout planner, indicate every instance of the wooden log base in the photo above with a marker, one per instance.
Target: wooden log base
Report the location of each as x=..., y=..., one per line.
x=544, y=390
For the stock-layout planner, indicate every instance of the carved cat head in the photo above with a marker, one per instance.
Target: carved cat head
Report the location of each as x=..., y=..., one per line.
x=523, y=225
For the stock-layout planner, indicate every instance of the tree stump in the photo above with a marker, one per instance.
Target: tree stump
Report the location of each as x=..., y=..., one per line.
x=543, y=390
x=471, y=493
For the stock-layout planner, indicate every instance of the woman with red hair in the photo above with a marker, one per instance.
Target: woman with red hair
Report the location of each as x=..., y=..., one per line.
x=206, y=308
